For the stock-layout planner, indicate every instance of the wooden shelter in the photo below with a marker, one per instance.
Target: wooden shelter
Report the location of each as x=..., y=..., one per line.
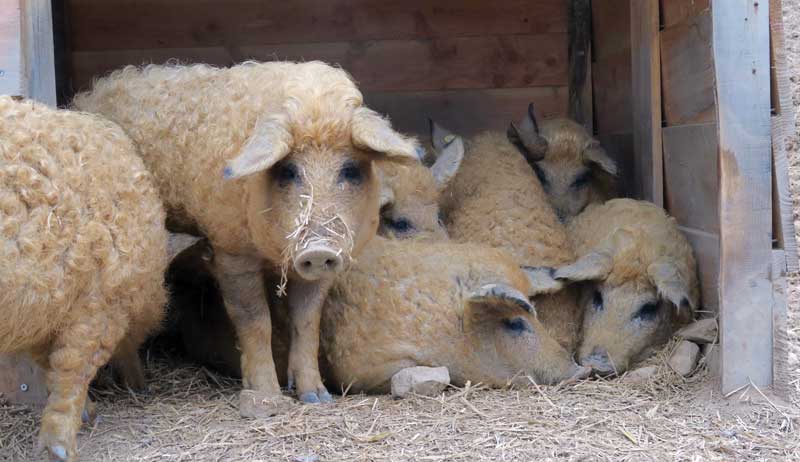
x=691, y=98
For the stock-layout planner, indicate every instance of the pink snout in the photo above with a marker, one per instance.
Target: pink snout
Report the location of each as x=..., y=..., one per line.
x=318, y=262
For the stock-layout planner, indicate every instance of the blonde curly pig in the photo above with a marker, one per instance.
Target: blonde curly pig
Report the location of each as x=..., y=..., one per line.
x=83, y=250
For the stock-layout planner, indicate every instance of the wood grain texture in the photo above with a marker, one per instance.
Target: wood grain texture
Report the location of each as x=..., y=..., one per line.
x=580, y=63
x=467, y=112
x=389, y=65
x=145, y=24
x=22, y=380
x=691, y=182
x=782, y=127
x=676, y=11
x=687, y=71
x=613, y=106
x=39, y=77
x=10, y=48
x=611, y=28
x=646, y=91
x=780, y=334
x=741, y=56
x=706, y=252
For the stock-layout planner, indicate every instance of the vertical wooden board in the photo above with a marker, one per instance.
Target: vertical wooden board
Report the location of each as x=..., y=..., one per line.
x=22, y=380
x=37, y=51
x=620, y=148
x=780, y=336
x=691, y=184
x=706, y=252
x=646, y=91
x=580, y=63
x=741, y=57
x=782, y=126
x=675, y=11
x=611, y=81
x=611, y=27
x=687, y=71
x=466, y=112
x=10, y=48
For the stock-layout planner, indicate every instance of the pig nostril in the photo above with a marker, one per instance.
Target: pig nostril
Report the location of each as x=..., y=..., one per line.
x=330, y=263
x=306, y=264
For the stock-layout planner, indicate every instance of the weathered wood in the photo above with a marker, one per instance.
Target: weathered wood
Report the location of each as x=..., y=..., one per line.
x=706, y=252
x=467, y=111
x=10, y=48
x=22, y=380
x=145, y=24
x=392, y=65
x=741, y=57
x=611, y=28
x=39, y=77
x=613, y=105
x=688, y=71
x=781, y=375
x=691, y=183
x=580, y=63
x=675, y=11
x=646, y=91
x=782, y=126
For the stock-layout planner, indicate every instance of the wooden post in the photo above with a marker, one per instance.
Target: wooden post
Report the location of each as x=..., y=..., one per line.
x=741, y=59
x=26, y=69
x=646, y=82
x=580, y=63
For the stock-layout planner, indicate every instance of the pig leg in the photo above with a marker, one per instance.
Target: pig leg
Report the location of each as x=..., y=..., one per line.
x=75, y=356
x=127, y=366
x=242, y=287
x=305, y=309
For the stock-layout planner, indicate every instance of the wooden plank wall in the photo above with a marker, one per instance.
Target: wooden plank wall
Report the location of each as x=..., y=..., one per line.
x=612, y=86
x=691, y=183
x=469, y=64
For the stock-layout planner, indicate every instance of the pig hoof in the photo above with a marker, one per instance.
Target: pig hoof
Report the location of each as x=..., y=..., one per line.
x=310, y=398
x=325, y=397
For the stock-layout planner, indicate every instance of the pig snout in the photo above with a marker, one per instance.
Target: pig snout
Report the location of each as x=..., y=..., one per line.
x=318, y=262
x=599, y=361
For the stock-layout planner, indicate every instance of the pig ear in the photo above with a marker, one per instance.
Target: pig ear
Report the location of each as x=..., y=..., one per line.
x=593, y=266
x=179, y=242
x=671, y=286
x=526, y=135
x=270, y=142
x=542, y=280
x=448, y=160
x=500, y=297
x=595, y=154
x=372, y=132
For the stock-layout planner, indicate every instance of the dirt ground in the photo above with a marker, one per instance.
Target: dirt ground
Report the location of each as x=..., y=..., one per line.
x=191, y=414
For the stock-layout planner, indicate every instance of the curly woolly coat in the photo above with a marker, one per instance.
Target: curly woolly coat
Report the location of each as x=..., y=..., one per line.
x=83, y=249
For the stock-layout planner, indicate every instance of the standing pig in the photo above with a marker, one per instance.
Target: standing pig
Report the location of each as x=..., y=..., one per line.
x=273, y=162
x=495, y=199
x=573, y=167
x=643, y=281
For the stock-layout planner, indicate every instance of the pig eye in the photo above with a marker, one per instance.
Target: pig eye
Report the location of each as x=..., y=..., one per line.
x=286, y=172
x=351, y=173
x=597, y=301
x=582, y=180
x=647, y=312
x=541, y=175
x=399, y=225
x=516, y=325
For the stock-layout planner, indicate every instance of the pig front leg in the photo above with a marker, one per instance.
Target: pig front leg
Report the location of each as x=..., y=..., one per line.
x=241, y=283
x=305, y=309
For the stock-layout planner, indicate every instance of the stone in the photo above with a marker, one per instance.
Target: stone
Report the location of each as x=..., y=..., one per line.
x=427, y=381
x=700, y=331
x=259, y=405
x=643, y=374
x=684, y=358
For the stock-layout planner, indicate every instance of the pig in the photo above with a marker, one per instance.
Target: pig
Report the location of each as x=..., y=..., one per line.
x=639, y=281
x=273, y=163
x=572, y=166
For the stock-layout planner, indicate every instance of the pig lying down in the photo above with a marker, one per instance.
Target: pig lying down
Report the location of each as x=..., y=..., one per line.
x=273, y=163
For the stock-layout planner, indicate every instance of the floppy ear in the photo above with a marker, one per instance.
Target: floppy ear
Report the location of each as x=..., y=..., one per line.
x=671, y=286
x=526, y=135
x=494, y=302
x=440, y=136
x=542, y=280
x=448, y=160
x=386, y=196
x=178, y=242
x=372, y=132
x=595, y=154
x=269, y=143
x=593, y=266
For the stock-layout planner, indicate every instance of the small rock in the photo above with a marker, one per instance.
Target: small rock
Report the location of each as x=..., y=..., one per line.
x=259, y=405
x=427, y=381
x=640, y=375
x=684, y=358
x=701, y=331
